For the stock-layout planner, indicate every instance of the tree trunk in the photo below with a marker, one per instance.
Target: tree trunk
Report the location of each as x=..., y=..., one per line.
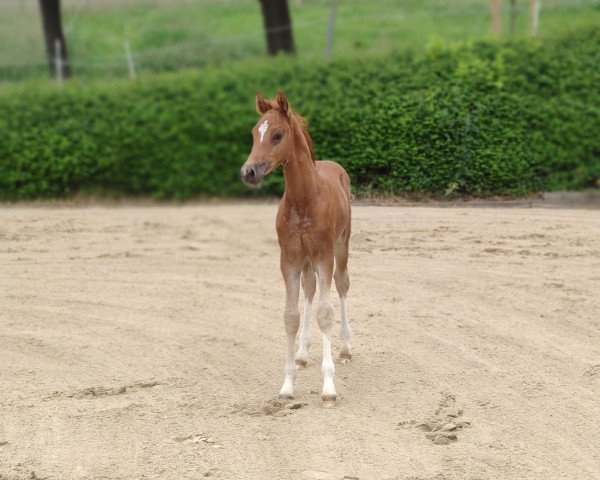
x=278, y=26
x=55, y=39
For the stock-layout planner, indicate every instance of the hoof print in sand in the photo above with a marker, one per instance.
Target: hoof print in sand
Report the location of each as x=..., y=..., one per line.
x=198, y=438
x=32, y=476
x=593, y=371
x=276, y=408
x=94, y=392
x=444, y=426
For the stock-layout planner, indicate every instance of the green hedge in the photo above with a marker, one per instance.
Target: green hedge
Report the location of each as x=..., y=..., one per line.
x=477, y=119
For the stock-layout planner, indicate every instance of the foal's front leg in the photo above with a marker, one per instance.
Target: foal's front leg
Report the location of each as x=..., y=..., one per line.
x=325, y=319
x=291, y=319
x=309, y=284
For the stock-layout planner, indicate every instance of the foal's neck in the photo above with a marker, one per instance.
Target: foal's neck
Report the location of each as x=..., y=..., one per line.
x=299, y=171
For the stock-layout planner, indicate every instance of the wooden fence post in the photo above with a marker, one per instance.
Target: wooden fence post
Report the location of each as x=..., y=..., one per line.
x=330, y=27
x=513, y=17
x=130, y=64
x=496, y=17
x=534, y=16
x=58, y=62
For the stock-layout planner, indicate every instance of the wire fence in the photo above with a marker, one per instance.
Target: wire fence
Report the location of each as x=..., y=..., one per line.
x=316, y=34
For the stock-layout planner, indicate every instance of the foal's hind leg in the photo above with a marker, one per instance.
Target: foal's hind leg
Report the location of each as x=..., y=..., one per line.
x=309, y=284
x=342, y=284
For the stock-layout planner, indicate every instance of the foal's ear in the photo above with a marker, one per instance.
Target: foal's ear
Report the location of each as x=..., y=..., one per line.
x=284, y=106
x=262, y=105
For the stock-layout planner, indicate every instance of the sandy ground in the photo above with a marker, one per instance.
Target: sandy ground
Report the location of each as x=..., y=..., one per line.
x=148, y=342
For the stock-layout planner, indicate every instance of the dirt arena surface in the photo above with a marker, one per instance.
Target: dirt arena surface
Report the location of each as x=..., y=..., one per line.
x=148, y=342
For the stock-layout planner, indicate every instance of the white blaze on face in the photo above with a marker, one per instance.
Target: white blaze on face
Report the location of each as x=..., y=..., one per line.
x=262, y=130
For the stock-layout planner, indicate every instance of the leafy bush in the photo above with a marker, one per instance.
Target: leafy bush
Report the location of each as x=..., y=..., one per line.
x=476, y=119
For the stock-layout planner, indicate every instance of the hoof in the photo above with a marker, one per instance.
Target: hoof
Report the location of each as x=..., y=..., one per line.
x=301, y=363
x=284, y=398
x=329, y=401
x=345, y=357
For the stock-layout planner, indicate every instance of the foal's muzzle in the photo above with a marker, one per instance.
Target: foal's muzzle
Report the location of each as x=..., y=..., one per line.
x=254, y=172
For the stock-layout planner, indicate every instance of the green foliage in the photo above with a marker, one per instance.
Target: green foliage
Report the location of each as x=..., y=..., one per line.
x=477, y=119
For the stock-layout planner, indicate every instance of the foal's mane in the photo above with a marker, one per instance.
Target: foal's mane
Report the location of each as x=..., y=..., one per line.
x=302, y=123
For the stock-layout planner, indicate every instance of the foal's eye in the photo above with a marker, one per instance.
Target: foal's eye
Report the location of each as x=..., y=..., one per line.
x=277, y=136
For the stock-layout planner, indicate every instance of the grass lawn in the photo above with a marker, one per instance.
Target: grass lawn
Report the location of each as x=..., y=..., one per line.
x=175, y=34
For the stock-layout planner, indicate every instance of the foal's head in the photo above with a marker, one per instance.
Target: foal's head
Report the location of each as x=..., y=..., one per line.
x=273, y=139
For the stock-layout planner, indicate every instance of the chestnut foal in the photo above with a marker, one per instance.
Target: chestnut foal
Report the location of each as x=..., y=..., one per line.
x=313, y=228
